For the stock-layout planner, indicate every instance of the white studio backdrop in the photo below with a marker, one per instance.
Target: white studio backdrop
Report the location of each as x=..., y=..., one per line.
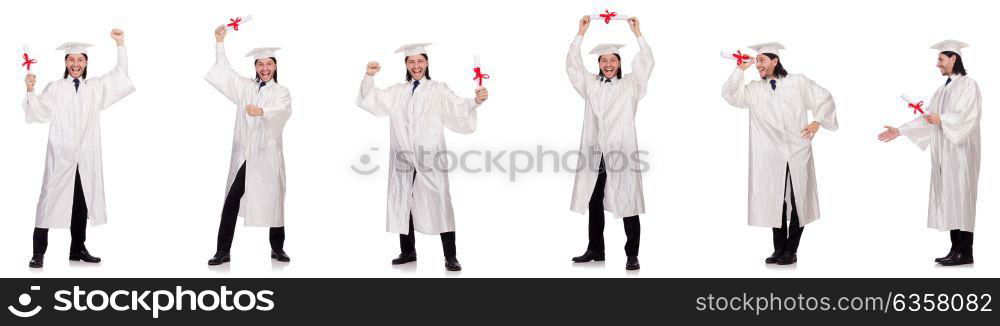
x=167, y=146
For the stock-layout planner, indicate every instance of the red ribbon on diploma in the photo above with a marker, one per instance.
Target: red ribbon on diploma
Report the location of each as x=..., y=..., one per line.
x=480, y=76
x=917, y=107
x=235, y=23
x=28, y=61
x=607, y=15
x=740, y=57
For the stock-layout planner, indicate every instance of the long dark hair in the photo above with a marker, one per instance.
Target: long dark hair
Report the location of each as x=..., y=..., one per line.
x=275, y=78
x=84, y=74
x=779, y=70
x=427, y=71
x=959, y=67
x=619, y=75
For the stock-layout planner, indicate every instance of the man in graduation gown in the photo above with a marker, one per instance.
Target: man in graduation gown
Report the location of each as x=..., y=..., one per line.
x=419, y=110
x=73, y=185
x=950, y=128
x=782, y=192
x=255, y=188
x=608, y=176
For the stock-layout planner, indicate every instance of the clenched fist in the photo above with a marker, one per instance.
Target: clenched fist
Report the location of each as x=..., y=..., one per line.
x=481, y=95
x=29, y=81
x=119, y=36
x=220, y=33
x=373, y=68
x=254, y=111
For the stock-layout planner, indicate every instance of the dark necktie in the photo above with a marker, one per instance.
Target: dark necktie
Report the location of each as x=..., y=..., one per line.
x=261, y=86
x=774, y=85
x=76, y=83
x=607, y=80
x=948, y=81
x=415, y=84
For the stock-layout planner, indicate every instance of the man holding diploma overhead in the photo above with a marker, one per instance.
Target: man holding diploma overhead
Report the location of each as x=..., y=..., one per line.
x=608, y=173
x=782, y=193
x=73, y=185
x=419, y=110
x=255, y=188
x=950, y=128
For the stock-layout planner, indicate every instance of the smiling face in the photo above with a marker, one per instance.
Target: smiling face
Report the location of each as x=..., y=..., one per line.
x=765, y=66
x=76, y=65
x=266, y=68
x=946, y=64
x=610, y=64
x=416, y=65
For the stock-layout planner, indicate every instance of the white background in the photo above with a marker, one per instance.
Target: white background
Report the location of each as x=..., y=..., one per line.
x=167, y=146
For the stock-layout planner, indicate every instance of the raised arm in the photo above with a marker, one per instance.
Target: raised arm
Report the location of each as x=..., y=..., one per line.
x=459, y=114
x=222, y=76
x=578, y=74
x=374, y=100
x=642, y=64
x=116, y=84
x=37, y=109
x=734, y=91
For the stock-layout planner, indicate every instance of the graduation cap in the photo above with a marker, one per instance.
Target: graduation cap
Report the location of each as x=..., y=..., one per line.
x=602, y=49
x=260, y=53
x=950, y=45
x=769, y=47
x=74, y=47
x=413, y=49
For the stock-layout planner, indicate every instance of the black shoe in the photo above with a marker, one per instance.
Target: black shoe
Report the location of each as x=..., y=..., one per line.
x=773, y=258
x=405, y=257
x=36, y=261
x=950, y=254
x=451, y=264
x=957, y=259
x=84, y=256
x=632, y=263
x=280, y=255
x=787, y=258
x=219, y=259
x=589, y=256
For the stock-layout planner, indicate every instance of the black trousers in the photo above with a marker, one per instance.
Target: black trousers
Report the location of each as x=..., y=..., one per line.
x=230, y=212
x=77, y=226
x=408, y=242
x=786, y=238
x=961, y=242
x=596, y=224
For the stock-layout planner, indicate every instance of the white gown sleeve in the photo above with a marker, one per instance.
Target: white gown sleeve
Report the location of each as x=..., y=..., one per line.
x=642, y=67
x=375, y=100
x=459, y=114
x=918, y=131
x=38, y=108
x=115, y=84
x=276, y=114
x=225, y=79
x=964, y=116
x=578, y=75
x=821, y=104
x=735, y=92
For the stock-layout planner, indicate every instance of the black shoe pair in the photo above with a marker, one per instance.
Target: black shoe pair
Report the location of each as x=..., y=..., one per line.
x=782, y=258
x=631, y=264
x=450, y=263
x=955, y=259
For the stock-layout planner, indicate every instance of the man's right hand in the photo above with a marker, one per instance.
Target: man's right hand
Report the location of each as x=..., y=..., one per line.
x=220, y=33
x=29, y=81
x=889, y=134
x=584, y=25
x=747, y=64
x=373, y=68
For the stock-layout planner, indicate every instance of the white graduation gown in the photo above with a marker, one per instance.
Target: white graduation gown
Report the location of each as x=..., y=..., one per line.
x=777, y=118
x=75, y=141
x=955, y=153
x=416, y=125
x=609, y=131
x=256, y=141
